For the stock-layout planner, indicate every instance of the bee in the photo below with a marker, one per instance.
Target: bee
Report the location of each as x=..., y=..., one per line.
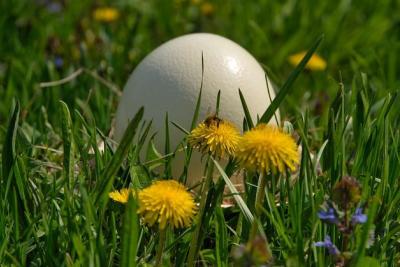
x=212, y=120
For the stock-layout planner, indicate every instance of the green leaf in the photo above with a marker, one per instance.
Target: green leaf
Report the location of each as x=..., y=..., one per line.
x=293, y=261
x=108, y=175
x=153, y=157
x=288, y=85
x=130, y=234
x=369, y=261
x=140, y=177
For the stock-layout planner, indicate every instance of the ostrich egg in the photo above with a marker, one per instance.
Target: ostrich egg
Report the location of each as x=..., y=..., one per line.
x=168, y=80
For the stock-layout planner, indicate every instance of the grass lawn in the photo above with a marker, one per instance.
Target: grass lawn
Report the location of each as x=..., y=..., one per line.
x=63, y=65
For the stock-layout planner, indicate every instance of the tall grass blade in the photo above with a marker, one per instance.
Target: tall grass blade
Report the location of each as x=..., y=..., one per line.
x=167, y=149
x=247, y=114
x=142, y=140
x=8, y=153
x=66, y=130
x=218, y=102
x=236, y=195
x=198, y=103
x=288, y=85
x=112, y=167
x=130, y=234
x=221, y=238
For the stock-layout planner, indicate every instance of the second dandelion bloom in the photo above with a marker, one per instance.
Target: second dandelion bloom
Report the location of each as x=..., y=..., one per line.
x=215, y=136
x=168, y=203
x=266, y=149
x=316, y=63
x=106, y=14
x=122, y=195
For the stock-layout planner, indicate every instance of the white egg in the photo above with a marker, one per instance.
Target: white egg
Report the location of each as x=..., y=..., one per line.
x=169, y=78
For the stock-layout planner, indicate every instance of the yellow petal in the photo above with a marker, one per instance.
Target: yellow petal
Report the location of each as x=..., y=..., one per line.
x=316, y=63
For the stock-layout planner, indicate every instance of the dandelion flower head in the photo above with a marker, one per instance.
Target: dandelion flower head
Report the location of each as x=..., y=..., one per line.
x=215, y=136
x=166, y=202
x=121, y=196
x=316, y=63
x=267, y=148
x=106, y=14
x=347, y=192
x=207, y=9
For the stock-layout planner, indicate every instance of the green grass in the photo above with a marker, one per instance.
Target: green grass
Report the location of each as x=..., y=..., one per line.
x=54, y=209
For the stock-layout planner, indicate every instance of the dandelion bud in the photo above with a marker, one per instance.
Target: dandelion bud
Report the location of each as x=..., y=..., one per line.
x=255, y=253
x=347, y=192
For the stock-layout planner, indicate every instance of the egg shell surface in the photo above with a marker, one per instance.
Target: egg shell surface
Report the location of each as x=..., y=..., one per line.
x=168, y=80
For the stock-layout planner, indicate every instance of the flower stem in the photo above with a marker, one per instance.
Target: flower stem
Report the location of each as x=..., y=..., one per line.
x=347, y=228
x=195, y=238
x=163, y=235
x=260, y=195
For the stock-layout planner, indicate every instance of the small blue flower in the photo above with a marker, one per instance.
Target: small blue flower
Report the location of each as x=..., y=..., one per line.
x=58, y=62
x=327, y=243
x=54, y=7
x=328, y=216
x=358, y=217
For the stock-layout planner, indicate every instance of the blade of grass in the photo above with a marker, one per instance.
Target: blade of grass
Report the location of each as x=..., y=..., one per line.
x=66, y=129
x=183, y=130
x=197, y=109
x=218, y=102
x=142, y=140
x=21, y=181
x=270, y=98
x=167, y=149
x=221, y=239
x=236, y=195
x=8, y=153
x=112, y=167
x=130, y=234
x=288, y=85
x=246, y=111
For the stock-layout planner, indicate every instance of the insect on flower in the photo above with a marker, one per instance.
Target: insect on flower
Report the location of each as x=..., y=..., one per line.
x=215, y=136
x=212, y=119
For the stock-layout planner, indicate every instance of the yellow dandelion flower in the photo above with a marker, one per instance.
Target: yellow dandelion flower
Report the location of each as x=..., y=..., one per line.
x=195, y=2
x=166, y=202
x=121, y=196
x=315, y=63
x=215, y=136
x=106, y=14
x=267, y=148
x=207, y=9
